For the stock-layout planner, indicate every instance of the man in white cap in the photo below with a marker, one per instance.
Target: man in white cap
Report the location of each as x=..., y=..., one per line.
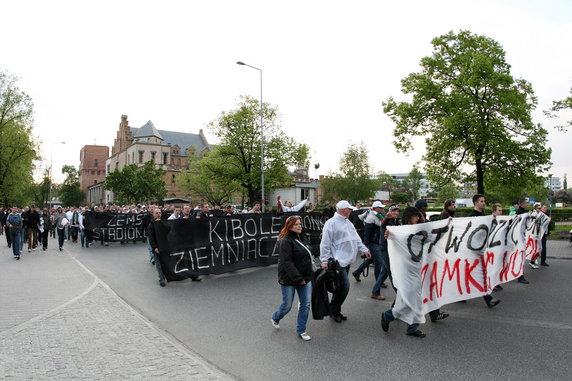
x=341, y=242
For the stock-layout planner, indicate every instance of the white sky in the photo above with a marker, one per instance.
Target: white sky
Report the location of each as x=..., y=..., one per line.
x=327, y=65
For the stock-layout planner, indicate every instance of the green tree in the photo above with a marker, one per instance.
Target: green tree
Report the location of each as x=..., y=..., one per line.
x=400, y=197
x=236, y=159
x=70, y=193
x=133, y=185
x=557, y=106
x=18, y=149
x=475, y=117
x=38, y=193
x=198, y=181
x=413, y=182
x=447, y=191
x=353, y=183
x=507, y=190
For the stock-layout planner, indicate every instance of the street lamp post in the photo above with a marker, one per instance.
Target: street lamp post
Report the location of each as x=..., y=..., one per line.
x=550, y=192
x=262, y=201
x=51, y=165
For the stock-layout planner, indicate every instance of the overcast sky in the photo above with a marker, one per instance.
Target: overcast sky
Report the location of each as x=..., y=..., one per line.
x=327, y=65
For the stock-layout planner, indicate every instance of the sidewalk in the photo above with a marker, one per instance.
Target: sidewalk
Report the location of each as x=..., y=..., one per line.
x=59, y=321
x=559, y=249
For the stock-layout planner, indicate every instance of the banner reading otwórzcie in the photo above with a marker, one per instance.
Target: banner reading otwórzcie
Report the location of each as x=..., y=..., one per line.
x=445, y=261
x=116, y=227
x=218, y=245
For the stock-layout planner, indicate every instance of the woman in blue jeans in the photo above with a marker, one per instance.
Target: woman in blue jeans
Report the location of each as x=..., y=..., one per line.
x=295, y=272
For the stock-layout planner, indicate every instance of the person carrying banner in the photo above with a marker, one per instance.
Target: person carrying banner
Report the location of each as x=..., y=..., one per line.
x=522, y=209
x=449, y=210
x=153, y=243
x=341, y=242
x=255, y=208
x=411, y=216
x=295, y=272
x=479, y=210
x=372, y=234
x=176, y=214
x=544, y=209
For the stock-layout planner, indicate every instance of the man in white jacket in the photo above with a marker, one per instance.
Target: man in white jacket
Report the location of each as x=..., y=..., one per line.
x=341, y=242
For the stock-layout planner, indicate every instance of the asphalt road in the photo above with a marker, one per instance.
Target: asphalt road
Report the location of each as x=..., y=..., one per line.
x=226, y=319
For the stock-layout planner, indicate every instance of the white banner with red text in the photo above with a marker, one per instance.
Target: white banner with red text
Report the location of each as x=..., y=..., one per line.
x=446, y=261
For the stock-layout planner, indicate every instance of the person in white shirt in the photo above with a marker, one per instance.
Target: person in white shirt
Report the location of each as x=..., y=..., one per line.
x=341, y=242
x=287, y=206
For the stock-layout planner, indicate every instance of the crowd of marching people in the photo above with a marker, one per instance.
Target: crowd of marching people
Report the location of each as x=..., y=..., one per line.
x=298, y=271
x=341, y=246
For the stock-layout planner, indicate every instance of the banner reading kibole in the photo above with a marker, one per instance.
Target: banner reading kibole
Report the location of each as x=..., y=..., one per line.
x=446, y=261
x=217, y=245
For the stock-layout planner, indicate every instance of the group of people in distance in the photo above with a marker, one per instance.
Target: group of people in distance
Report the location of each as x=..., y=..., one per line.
x=341, y=245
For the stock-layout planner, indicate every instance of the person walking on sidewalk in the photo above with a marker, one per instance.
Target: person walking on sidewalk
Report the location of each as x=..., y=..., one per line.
x=61, y=222
x=295, y=272
x=44, y=228
x=14, y=223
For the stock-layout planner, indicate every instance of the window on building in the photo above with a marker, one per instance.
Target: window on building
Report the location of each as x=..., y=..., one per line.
x=173, y=179
x=94, y=182
x=95, y=163
x=165, y=156
x=153, y=155
x=108, y=168
x=140, y=156
x=116, y=165
x=98, y=173
x=92, y=172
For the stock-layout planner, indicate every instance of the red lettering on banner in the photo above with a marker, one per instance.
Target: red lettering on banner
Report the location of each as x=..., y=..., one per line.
x=433, y=284
x=490, y=258
x=423, y=273
x=469, y=278
x=532, y=248
x=503, y=274
x=447, y=272
x=520, y=266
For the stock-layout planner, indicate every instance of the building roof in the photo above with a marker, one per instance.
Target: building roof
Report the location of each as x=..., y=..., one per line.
x=183, y=139
x=147, y=130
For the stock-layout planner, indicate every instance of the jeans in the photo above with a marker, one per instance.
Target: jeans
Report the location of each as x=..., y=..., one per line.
x=61, y=233
x=160, y=274
x=150, y=250
x=16, y=240
x=45, y=238
x=84, y=239
x=305, y=297
x=388, y=317
x=384, y=273
x=339, y=298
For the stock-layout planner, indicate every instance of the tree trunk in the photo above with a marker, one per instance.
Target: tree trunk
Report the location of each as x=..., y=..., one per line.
x=480, y=176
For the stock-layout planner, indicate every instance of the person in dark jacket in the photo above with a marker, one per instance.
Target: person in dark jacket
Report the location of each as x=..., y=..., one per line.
x=154, y=247
x=295, y=272
x=449, y=210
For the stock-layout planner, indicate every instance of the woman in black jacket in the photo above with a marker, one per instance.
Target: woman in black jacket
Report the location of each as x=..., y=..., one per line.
x=295, y=271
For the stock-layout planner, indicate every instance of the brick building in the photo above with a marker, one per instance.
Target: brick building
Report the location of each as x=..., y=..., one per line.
x=169, y=150
x=92, y=160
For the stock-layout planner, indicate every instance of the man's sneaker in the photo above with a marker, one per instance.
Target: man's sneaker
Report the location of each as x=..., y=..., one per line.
x=493, y=302
x=336, y=318
x=441, y=316
x=523, y=280
x=357, y=278
x=377, y=297
x=384, y=285
x=276, y=325
x=498, y=287
x=162, y=283
x=545, y=264
x=533, y=265
x=304, y=336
